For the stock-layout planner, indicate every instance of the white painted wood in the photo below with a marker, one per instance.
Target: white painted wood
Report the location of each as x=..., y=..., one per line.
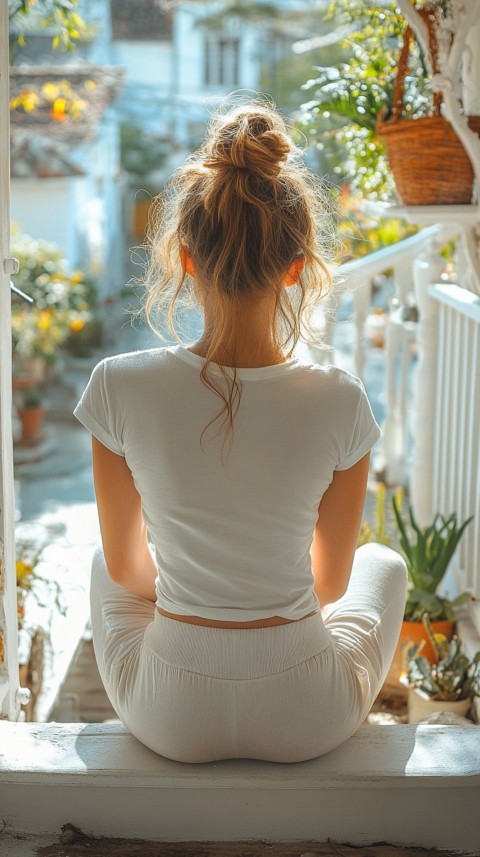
x=360, y=271
x=457, y=423
x=471, y=72
x=403, y=784
x=458, y=399
x=394, y=428
x=426, y=270
x=9, y=703
x=392, y=456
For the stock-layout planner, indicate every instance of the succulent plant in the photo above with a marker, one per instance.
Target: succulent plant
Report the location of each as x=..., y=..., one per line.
x=454, y=676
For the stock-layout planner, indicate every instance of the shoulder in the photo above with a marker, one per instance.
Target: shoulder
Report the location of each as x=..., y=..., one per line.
x=132, y=365
x=332, y=379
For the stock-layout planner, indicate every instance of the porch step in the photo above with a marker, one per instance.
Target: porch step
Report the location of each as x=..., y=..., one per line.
x=406, y=785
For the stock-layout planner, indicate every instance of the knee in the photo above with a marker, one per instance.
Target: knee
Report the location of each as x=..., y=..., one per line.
x=98, y=562
x=385, y=559
x=99, y=576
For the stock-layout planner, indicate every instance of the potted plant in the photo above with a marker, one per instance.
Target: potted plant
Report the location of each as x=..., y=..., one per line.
x=385, y=115
x=31, y=413
x=427, y=552
x=450, y=683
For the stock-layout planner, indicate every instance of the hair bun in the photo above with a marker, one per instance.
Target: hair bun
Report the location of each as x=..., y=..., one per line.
x=252, y=140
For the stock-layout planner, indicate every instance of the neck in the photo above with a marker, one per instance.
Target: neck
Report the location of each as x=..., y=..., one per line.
x=248, y=342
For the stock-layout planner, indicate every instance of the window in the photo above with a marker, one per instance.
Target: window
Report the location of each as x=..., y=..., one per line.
x=221, y=61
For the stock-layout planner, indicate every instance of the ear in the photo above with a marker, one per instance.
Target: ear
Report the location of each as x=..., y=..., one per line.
x=294, y=272
x=187, y=262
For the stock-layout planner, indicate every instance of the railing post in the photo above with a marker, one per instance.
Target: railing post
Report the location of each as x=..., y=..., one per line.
x=427, y=270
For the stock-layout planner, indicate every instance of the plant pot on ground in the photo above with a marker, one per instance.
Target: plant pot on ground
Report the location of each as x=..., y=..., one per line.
x=428, y=552
x=450, y=683
x=31, y=413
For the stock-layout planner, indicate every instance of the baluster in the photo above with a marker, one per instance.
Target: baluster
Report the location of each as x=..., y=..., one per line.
x=362, y=298
x=391, y=443
x=427, y=269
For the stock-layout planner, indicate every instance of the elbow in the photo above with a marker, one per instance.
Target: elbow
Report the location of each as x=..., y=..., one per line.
x=330, y=594
x=117, y=572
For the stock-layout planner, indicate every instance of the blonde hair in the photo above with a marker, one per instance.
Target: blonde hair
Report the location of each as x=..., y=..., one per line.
x=245, y=207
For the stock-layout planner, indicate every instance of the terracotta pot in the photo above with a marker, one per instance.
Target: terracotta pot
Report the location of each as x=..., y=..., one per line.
x=419, y=707
x=31, y=420
x=411, y=634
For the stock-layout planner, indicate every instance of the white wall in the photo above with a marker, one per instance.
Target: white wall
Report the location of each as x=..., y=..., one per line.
x=43, y=209
x=147, y=63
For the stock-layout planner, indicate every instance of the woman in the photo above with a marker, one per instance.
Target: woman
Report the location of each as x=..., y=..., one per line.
x=251, y=627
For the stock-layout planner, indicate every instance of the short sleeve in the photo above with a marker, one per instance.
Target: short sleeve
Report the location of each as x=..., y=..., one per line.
x=365, y=430
x=95, y=409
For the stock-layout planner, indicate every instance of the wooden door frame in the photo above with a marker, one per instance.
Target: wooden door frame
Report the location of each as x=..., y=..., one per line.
x=9, y=685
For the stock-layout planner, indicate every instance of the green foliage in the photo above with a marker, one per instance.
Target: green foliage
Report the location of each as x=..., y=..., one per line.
x=356, y=92
x=142, y=153
x=378, y=531
x=361, y=233
x=452, y=677
x=428, y=552
x=31, y=398
x=64, y=301
x=59, y=15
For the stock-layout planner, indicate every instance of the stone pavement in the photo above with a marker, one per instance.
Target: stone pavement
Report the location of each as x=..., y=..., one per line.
x=56, y=505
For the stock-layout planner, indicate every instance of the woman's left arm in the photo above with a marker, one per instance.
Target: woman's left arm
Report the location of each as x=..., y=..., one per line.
x=124, y=533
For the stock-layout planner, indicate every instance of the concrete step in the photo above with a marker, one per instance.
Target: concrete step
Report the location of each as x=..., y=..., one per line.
x=406, y=785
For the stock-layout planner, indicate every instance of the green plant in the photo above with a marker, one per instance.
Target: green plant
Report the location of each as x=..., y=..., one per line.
x=454, y=676
x=349, y=97
x=361, y=232
x=63, y=300
x=428, y=552
x=378, y=531
x=141, y=155
x=31, y=398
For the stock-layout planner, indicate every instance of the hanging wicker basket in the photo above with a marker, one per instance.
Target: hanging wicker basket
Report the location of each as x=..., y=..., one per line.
x=427, y=159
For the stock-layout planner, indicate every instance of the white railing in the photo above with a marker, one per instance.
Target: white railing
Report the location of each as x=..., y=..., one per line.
x=431, y=440
x=401, y=260
x=456, y=462
x=360, y=273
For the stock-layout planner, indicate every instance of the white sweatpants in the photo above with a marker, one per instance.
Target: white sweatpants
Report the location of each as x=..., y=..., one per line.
x=285, y=693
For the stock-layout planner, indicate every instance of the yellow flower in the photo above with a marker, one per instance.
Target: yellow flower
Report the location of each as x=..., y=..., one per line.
x=77, y=277
x=77, y=324
x=44, y=320
x=22, y=570
x=50, y=91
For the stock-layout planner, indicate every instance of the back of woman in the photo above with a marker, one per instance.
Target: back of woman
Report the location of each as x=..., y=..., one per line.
x=231, y=614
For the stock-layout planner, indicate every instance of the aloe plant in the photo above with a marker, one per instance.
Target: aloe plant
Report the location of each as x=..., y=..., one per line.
x=453, y=677
x=428, y=552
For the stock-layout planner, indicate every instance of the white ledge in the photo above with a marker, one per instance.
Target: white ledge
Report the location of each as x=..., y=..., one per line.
x=406, y=785
x=397, y=755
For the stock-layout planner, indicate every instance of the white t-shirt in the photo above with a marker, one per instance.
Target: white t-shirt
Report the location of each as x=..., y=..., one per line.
x=232, y=537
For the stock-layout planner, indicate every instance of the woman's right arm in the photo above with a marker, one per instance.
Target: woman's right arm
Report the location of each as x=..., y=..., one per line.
x=336, y=531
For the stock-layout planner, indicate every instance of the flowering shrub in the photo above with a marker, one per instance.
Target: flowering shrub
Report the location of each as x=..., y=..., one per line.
x=46, y=592
x=64, y=300
x=361, y=233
